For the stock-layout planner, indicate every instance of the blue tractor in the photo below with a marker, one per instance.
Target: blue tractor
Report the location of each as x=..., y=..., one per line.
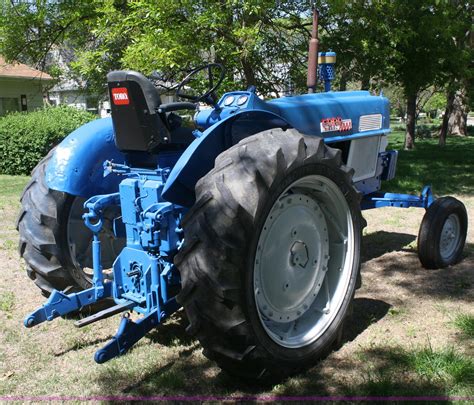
x=251, y=222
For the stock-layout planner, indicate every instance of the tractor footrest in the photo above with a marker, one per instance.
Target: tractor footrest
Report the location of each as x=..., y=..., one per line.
x=106, y=313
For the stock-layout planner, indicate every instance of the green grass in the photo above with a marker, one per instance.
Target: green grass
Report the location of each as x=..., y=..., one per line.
x=12, y=186
x=465, y=324
x=397, y=371
x=448, y=170
x=7, y=301
x=397, y=312
x=447, y=366
x=8, y=245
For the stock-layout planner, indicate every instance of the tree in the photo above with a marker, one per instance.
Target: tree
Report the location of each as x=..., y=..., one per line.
x=408, y=43
x=419, y=44
x=353, y=30
x=459, y=70
x=256, y=39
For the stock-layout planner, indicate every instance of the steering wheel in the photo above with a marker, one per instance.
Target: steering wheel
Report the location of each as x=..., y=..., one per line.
x=209, y=96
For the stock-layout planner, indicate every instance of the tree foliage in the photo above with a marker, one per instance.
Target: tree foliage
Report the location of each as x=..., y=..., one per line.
x=413, y=44
x=261, y=42
x=406, y=43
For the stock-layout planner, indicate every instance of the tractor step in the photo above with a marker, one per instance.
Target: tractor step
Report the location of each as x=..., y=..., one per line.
x=106, y=313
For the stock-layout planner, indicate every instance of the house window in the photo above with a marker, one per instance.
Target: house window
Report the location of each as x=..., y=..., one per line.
x=9, y=104
x=24, y=104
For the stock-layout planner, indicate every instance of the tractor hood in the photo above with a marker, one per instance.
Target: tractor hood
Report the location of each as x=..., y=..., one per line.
x=332, y=115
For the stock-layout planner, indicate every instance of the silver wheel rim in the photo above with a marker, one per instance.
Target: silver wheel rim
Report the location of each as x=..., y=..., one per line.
x=79, y=239
x=303, y=261
x=450, y=237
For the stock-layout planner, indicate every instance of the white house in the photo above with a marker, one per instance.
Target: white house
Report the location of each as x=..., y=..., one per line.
x=22, y=87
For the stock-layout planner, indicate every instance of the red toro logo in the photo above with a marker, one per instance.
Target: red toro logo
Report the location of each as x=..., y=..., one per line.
x=336, y=124
x=120, y=96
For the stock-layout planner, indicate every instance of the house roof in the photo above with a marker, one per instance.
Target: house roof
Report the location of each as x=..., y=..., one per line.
x=21, y=71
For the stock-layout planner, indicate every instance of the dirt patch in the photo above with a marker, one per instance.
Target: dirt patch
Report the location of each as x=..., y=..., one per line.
x=401, y=306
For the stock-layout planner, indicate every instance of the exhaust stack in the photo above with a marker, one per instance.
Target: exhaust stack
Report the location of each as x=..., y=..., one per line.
x=313, y=55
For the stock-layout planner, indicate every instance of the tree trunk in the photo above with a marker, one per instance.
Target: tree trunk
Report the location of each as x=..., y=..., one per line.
x=343, y=81
x=457, y=124
x=411, y=120
x=249, y=72
x=443, y=133
x=365, y=83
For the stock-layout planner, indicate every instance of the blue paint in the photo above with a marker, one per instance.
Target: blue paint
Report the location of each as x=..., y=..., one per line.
x=154, y=198
x=59, y=304
x=76, y=164
x=128, y=334
x=198, y=159
x=227, y=125
x=145, y=278
x=326, y=70
x=379, y=200
x=305, y=112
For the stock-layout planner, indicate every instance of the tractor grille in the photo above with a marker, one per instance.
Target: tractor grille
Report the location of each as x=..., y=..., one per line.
x=370, y=122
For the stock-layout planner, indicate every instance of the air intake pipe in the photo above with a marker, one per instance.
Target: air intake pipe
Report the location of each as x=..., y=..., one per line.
x=313, y=55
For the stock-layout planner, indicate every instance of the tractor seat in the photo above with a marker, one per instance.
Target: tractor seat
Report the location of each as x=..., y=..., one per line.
x=139, y=119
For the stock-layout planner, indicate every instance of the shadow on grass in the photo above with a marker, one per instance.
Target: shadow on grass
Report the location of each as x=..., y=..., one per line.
x=366, y=311
x=186, y=375
x=392, y=372
x=173, y=331
x=81, y=345
x=378, y=243
x=189, y=373
x=453, y=282
x=382, y=372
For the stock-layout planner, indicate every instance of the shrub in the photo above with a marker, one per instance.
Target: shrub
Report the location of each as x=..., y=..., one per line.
x=25, y=138
x=423, y=131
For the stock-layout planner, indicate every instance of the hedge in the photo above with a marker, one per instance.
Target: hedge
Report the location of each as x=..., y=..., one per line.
x=25, y=138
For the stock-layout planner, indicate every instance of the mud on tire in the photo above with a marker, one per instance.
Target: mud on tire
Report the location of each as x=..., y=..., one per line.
x=218, y=260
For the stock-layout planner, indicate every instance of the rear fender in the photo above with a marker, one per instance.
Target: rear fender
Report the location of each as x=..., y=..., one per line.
x=76, y=165
x=199, y=157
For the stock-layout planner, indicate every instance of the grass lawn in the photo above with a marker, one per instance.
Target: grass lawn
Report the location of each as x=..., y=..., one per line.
x=411, y=332
x=449, y=170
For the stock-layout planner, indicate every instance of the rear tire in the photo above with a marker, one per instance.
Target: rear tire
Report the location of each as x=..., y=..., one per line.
x=54, y=241
x=442, y=233
x=273, y=180
x=39, y=225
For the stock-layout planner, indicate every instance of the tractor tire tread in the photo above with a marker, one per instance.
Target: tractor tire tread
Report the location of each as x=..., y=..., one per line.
x=40, y=235
x=217, y=228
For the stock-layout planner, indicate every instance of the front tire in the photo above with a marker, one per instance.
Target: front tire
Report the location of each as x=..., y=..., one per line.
x=442, y=233
x=270, y=260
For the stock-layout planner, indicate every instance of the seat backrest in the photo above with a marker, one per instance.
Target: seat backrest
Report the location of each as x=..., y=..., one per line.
x=134, y=102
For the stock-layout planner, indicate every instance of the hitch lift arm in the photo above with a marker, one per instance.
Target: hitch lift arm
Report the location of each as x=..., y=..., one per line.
x=59, y=303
